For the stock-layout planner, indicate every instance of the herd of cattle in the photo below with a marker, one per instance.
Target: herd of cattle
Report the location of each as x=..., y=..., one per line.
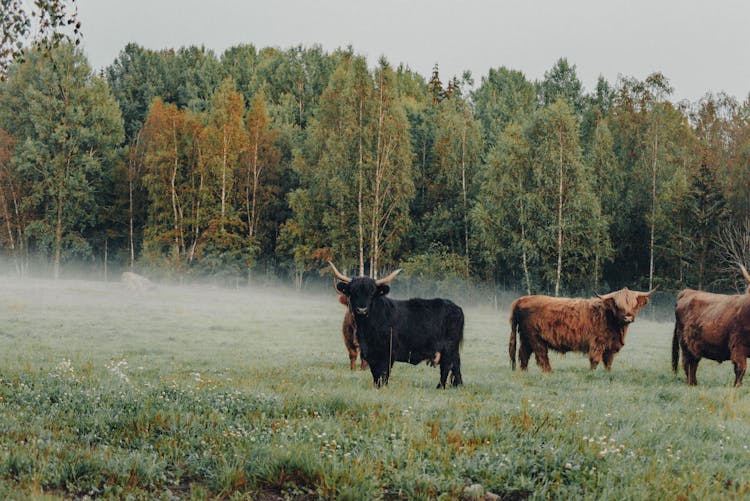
x=383, y=330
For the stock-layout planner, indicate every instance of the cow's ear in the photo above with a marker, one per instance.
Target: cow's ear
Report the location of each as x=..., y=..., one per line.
x=383, y=290
x=343, y=287
x=609, y=303
x=642, y=300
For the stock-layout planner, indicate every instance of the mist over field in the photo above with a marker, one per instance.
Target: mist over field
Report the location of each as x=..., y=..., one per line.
x=202, y=391
x=204, y=324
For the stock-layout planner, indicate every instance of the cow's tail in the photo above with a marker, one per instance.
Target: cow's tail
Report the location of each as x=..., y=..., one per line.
x=676, y=346
x=513, y=331
x=677, y=335
x=461, y=338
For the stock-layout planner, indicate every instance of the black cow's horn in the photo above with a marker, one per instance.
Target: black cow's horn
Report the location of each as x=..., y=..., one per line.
x=745, y=274
x=389, y=278
x=338, y=274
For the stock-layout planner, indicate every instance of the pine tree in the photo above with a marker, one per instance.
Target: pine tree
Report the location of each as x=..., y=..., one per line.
x=504, y=95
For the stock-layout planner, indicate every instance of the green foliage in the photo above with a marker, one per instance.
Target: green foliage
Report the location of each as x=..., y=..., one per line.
x=71, y=131
x=438, y=265
x=277, y=160
x=504, y=96
x=356, y=172
x=538, y=216
x=48, y=23
x=561, y=83
x=501, y=214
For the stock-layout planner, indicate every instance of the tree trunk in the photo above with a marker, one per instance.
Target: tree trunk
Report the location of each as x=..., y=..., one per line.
x=196, y=225
x=379, y=160
x=223, y=178
x=360, y=220
x=20, y=238
x=58, y=231
x=59, y=225
x=559, y=219
x=463, y=193
x=653, y=215
x=256, y=181
x=131, y=240
x=9, y=227
x=173, y=189
x=524, y=261
x=132, y=173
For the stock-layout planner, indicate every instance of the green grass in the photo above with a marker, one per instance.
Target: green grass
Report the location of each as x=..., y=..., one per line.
x=208, y=393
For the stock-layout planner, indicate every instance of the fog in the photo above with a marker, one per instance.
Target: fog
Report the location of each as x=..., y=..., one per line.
x=267, y=298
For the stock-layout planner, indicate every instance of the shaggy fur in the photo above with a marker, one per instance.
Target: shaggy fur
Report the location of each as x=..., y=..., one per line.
x=593, y=326
x=410, y=331
x=349, y=331
x=713, y=326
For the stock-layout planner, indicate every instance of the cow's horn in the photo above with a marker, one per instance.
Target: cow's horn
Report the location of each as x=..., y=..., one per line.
x=745, y=274
x=338, y=274
x=648, y=294
x=389, y=278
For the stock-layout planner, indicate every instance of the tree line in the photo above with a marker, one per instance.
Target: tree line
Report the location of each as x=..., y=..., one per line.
x=182, y=163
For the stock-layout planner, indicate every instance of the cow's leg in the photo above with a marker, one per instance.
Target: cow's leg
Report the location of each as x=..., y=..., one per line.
x=350, y=341
x=444, y=368
x=456, y=379
x=690, y=366
x=595, y=356
x=380, y=373
x=693, y=372
x=739, y=360
x=524, y=353
x=607, y=357
x=362, y=363
x=542, y=359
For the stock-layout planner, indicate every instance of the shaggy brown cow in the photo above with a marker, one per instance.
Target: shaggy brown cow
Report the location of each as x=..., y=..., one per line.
x=594, y=326
x=349, y=330
x=714, y=326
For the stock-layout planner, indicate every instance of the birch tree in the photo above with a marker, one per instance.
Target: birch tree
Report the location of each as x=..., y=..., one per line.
x=262, y=158
x=566, y=203
x=457, y=153
x=501, y=213
x=71, y=127
x=174, y=183
x=391, y=179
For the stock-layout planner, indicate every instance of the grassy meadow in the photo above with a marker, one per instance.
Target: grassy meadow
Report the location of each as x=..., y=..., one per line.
x=204, y=393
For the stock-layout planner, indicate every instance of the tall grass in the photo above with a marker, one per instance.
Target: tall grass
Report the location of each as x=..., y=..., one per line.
x=208, y=393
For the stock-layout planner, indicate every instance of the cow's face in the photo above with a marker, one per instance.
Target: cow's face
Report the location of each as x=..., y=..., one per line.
x=361, y=292
x=624, y=304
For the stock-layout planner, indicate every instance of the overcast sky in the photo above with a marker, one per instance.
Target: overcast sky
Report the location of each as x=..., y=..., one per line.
x=700, y=46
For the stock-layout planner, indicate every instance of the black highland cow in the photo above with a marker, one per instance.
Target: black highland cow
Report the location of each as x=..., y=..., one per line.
x=412, y=331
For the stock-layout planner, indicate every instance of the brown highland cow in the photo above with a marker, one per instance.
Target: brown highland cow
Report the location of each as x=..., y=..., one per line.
x=594, y=326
